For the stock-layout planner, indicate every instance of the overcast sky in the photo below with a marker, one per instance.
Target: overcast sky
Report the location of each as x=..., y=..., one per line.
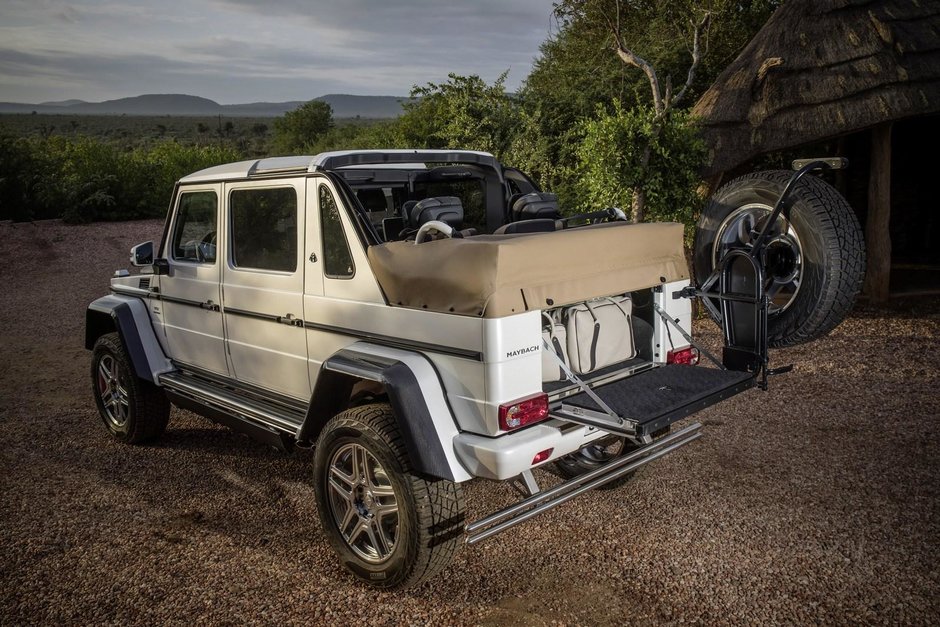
x=236, y=51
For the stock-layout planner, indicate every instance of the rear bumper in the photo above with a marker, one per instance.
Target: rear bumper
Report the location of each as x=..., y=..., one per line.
x=507, y=456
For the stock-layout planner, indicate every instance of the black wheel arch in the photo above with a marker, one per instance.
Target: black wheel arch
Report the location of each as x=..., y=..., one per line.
x=413, y=416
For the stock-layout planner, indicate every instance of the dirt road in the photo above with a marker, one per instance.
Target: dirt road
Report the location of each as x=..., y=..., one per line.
x=814, y=502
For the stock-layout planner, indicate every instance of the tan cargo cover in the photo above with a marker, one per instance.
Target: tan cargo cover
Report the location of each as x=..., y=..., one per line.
x=500, y=275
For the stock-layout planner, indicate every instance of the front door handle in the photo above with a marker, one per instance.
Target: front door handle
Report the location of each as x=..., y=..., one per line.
x=209, y=306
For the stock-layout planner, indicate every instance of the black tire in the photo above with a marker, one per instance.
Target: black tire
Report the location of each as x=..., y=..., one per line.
x=133, y=410
x=414, y=542
x=595, y=455
x=817, y=261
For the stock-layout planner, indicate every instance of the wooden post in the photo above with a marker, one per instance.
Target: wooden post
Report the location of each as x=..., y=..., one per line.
x=877, y=235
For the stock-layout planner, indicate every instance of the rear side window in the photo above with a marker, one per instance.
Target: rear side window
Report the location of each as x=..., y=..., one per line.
x=194, y=235
x=264, y=228
x=337, y=260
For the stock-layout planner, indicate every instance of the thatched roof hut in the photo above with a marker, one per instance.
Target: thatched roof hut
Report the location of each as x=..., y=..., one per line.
x=822, y=69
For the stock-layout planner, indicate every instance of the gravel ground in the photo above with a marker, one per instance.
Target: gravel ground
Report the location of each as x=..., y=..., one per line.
x=815, y=502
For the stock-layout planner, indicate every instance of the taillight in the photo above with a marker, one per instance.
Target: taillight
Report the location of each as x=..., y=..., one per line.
x=687, y=356
x=541, y=456
x=522, y=412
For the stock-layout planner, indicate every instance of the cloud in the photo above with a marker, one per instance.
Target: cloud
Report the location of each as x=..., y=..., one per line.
x=246, y=50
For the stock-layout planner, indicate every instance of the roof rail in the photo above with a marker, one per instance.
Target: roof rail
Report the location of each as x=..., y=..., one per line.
x=334, y=160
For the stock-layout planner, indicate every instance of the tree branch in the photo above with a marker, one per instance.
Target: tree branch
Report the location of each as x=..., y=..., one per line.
x=630, y=58
x=696, y=57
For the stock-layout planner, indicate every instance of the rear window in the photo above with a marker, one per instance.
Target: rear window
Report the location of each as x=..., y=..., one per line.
x=264, y=228
x=337, y=260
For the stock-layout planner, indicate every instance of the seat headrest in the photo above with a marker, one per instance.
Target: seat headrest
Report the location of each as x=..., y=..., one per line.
x=447, y=209
x=372, y=199
x=536, y=205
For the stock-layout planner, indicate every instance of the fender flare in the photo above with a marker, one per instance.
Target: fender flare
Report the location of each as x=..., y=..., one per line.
x=415, y=391
x=129, y=316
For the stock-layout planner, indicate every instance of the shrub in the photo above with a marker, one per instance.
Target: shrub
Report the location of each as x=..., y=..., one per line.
x=611, y=162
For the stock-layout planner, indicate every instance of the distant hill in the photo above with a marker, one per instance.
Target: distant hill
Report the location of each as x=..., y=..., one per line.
x=62, y=103
x=344, y=106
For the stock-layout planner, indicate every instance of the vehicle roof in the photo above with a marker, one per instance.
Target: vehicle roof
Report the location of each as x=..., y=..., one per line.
x=335, y=160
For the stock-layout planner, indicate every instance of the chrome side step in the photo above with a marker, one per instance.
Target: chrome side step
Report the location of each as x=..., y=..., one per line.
x=543, y=501
x=255, y=411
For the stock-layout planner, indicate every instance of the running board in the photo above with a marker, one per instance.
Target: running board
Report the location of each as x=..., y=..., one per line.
x=543, y=501
x=254, y=411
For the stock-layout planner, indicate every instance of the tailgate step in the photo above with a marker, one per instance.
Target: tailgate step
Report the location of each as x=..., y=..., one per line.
x=648, y=401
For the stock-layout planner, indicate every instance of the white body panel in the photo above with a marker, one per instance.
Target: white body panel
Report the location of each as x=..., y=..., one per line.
x=680, y=310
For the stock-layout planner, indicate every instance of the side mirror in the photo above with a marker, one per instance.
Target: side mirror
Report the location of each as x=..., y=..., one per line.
x=142, y=254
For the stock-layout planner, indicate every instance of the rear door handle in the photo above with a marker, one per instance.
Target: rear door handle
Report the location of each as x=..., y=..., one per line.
x=209, y=306
x=291, y=320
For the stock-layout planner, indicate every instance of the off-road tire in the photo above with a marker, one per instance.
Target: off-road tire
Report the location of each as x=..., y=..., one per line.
x=831, y=245
x=144, y=409
x=431, y=512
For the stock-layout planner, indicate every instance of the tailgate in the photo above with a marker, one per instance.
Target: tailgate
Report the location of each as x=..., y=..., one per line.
x=651, y=400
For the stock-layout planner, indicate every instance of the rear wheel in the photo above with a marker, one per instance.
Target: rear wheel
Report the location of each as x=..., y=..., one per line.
x=133, y=410
x=815, y=254
x=391, y=527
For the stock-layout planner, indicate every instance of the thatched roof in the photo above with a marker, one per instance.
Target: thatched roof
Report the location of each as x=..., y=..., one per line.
x=823, y=68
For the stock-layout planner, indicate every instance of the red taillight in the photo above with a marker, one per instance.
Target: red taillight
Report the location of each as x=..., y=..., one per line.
x=542, y=456
x=687, y=356
x=523, y=412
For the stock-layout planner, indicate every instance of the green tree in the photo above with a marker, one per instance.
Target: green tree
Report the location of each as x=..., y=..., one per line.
x=463, y=112
x=579, y=68
x=303, y=126
x=628, y=149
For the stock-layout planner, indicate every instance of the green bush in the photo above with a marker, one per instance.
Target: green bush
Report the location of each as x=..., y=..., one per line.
x=83, y=179
x=302, y=126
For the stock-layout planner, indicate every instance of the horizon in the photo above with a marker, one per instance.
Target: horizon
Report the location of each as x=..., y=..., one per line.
x=245, y=51
x=58, y=101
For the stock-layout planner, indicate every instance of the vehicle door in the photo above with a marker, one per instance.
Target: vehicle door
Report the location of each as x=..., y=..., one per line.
x=262, y=285
x=189, y=293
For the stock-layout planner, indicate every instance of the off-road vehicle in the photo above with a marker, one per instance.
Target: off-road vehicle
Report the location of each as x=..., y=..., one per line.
x=424, y=318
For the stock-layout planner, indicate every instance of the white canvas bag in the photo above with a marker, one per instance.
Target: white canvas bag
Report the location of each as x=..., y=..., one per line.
x=556, y=336
x=600, y=333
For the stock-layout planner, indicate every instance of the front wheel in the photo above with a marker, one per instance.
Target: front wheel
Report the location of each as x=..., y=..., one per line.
x=391, y=527
x=815, y=253
x=133, y=410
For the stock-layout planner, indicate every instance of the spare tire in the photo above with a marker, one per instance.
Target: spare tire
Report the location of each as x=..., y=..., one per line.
x=816, y=253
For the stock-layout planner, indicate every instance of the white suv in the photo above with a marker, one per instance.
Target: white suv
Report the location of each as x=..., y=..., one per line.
x=422, y=318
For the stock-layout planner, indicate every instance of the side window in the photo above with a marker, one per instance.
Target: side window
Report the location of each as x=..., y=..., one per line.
x=337, y=260
x=264, y=228
x=194, y=235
